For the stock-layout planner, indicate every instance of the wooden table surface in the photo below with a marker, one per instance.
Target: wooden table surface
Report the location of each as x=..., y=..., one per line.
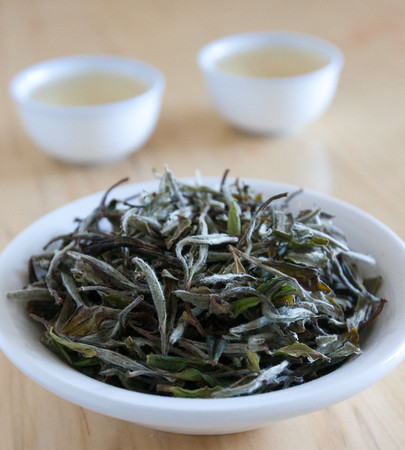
x=355, y=152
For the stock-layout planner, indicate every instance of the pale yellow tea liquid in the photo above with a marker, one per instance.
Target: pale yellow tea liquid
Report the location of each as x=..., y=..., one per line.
x=89, y=89
x=272, y=62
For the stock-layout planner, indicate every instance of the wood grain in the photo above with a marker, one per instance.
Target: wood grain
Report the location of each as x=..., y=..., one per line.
x=354, y=152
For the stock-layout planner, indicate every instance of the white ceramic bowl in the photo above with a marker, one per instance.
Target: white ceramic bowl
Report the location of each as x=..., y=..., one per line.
x=267, y=104
x=383, y=346
x=95, y=133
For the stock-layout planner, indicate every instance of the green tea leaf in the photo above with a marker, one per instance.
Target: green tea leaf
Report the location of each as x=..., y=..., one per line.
x=242, y=304
x=348, y=349
x=30, y=294
x=158, y=298
x=192, y=374
x=233, y=226
x=86, y=350
x=168, y=363
x=299, y=350
x=177, y=391
x=253, y=361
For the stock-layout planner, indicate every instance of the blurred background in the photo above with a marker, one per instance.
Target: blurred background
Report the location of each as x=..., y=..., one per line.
x=365, y=118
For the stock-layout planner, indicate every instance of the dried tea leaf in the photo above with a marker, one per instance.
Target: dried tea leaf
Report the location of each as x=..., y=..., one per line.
x=299, y=350
x=177, y=391
x=96, y=271
x=168, y=363
x=215, y=347
x=87, y=321
x=233, y=225
x=193, y=374
x=30, y=294
x=254, y=360
x=158, y=298
x=242, y=304
x=266, y=377
x=195, y=292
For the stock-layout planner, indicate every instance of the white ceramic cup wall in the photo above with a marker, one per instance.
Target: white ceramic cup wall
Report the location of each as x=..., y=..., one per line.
x=270, y=105
x=94, y=133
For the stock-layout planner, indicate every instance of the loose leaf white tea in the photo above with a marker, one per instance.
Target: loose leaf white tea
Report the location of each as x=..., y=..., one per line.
x=202, y=293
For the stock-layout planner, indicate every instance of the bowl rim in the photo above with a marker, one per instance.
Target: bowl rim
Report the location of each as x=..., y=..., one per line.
x=49, y=69
x=213, y=51
x=120, y=403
